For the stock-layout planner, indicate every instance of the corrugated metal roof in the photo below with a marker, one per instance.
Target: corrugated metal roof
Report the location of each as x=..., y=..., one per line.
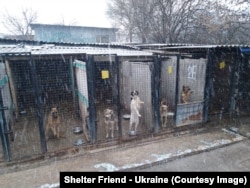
x=51, y=49
x=159, y=45
x=105, y=49
x=6, y=41
x=12, y=49
x=206, y=46
x=188, y=46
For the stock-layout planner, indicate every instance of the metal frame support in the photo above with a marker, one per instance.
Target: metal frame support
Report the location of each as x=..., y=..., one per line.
x=177, y=85
x=156, y=88
x=234, y=81
x=38, y=104
x=3, y=127
x=90, y=66
x=4, y=131
x=207, y=86
x=117, y=97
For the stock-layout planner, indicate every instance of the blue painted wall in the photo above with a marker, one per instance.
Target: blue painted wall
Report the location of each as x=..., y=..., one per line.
x=75, y=34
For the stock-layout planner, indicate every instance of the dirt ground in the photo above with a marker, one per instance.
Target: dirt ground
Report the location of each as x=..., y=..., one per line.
x=26, y=144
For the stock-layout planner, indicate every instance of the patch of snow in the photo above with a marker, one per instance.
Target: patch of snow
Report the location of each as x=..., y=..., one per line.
x=160, y=157
x=235, y=129
x=54, y=185
x=134, y=165
x=109, y=167
x=230, y=132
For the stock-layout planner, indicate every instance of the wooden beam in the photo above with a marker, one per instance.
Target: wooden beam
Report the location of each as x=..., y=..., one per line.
x=12, y=87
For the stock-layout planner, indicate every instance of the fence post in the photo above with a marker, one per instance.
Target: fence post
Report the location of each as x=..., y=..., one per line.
x=72, y=82
x=117, y=96
x=90, y=69
x=207, y=86
x=234, y=85
x=38, y=104
x=156, y=89
x=177, y=86
x=3, y=131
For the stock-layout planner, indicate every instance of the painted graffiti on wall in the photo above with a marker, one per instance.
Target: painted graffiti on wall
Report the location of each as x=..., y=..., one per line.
x=192, y=69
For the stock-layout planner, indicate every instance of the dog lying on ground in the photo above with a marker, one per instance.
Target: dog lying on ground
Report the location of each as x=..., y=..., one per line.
x=110, y=121
x=163, y=112
x=186, y=94
x=53, y=123
x=135, y=106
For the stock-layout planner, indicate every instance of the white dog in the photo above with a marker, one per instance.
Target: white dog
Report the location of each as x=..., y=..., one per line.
x=135, y=106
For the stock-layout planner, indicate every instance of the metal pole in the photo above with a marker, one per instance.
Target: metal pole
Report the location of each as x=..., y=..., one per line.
x=71, y=81
x=38, y=104
x=90, y=65
x=177, y=85
x=234, y=81
x=117, y=66
x=156, y=88
x=3, y=131
x=207, y=86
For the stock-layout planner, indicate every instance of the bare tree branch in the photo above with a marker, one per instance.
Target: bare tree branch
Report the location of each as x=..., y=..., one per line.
x=20, y=25
x=194, y=21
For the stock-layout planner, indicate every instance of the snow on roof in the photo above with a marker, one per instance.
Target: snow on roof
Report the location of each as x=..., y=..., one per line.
x=50, y=49
x=188, y=46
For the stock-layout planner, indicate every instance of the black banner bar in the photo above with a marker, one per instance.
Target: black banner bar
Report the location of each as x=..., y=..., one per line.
x=169, y=179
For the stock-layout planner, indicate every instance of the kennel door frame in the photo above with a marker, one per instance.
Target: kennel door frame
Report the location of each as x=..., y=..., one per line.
x=82, y=90
x=80, y=72
x=128, y=85
x=190, y=67
x=169, y=65
x=5, y=111
x=239, y=92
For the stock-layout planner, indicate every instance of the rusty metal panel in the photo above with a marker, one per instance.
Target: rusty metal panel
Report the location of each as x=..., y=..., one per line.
x=192, y=73
x=190, y=113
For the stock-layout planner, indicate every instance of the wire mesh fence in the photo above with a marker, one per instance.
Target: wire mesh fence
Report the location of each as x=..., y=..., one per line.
x=53, y=102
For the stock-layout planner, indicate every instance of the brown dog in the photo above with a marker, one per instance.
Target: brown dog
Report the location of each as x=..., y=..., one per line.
x=186, y=94
x=53, y=123
x=109, y=120
x=164, y=112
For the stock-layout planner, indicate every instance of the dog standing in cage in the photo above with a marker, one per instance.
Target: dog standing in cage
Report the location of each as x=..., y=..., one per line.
x=163, y=112
x=186, y=94
x=135, y=106
x=53, y=123
x=110, y=122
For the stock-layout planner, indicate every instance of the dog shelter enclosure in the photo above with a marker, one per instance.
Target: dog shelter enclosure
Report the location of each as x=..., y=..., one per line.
x=36, y=85
x=83, y=81
x=113, y=77
x=223, y=87
x=184, y=71
x=229, y=81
